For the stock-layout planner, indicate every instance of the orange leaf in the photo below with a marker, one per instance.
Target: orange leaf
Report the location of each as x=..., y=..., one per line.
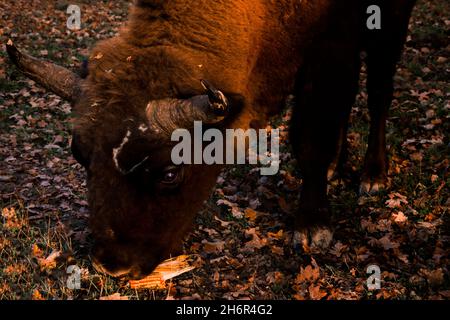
x=115, y=296
x=315, y=292
x=37, y=295
x=165, y=271
x=308, y=274
x=36, y=251
x=250, y=214
x=49, y=262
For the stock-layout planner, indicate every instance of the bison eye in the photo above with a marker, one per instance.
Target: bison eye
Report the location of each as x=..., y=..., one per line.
x=172, y=176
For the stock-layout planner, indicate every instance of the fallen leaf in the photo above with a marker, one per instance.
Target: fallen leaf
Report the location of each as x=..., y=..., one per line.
x=223, y=224
x=37, y=295
x=338, y=249
x=213, y=247
x=277, y=250
x=399, y=217
x=115, y=296
x=309, y=273
x=36, y=251
x=279, y=235
x=167, y=270
x=256, y=243
x=387, y=244
x=435, y=278
x=315, y=293
x=49, y=262
x=275, y=277
x=250, y=214
x=396, y=200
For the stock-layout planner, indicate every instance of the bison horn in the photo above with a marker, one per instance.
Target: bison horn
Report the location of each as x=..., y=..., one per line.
x=59, y=80
x=167, y=115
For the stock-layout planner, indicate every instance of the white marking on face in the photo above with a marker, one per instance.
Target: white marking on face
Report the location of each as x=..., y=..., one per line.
x=143, y=128
x=116, y=151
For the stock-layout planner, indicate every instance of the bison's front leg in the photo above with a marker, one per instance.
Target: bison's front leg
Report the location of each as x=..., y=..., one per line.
x=326, y=90
x=384, y=49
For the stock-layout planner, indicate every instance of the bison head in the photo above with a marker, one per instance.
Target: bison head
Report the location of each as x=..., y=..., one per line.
x=141, y=205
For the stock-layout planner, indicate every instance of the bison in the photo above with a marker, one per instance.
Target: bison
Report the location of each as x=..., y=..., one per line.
x=146, y=82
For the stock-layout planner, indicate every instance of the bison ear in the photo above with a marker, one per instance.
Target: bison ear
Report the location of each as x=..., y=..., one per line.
x=57, y=79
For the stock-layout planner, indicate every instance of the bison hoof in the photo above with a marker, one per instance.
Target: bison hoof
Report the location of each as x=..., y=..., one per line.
x=313, y=239
x=372, y=186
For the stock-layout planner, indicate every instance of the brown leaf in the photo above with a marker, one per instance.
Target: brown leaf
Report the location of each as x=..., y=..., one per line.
x=213, y=247
x=435, y=278
x=250, y=214
x=310, y=273
x=256, y=243
x=275, y=277
x=338, y=249
x=223, y=224
x=277, y=250
x=387, y=244
x=362, y=254
x=299, y=297
x=396, y=200
x=315, y=292
x=279, y=235
x=399, y=217
x=49, y=262
x=216, y=277
x=36, y=251
x=401, y=256
x=115, y=296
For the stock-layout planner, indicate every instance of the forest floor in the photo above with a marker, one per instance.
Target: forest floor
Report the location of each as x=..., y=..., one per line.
x=243, y=239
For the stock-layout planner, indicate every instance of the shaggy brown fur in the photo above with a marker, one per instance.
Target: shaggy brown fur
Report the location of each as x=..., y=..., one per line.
x=256, y=52
x=245, y=48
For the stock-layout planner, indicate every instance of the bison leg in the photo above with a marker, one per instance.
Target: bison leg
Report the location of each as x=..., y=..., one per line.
x=340, y=157
x=326, y=89
x=380, y=89
x=384, y=49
